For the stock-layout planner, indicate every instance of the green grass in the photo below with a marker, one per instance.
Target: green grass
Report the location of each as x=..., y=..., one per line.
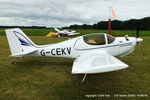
x=51, y=78
x=43, y=32
x=31, y=32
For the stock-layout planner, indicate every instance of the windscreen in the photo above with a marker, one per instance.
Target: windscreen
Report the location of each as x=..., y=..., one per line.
x=110, y=39
x=95, y=39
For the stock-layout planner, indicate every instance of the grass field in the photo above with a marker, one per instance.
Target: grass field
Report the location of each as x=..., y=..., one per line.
x=43, y=32
x=51, y=78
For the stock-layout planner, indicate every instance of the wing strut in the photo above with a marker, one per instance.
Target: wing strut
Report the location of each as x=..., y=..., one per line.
x=80, y=83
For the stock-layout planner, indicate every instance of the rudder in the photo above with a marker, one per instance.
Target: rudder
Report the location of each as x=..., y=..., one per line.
x=18, y=41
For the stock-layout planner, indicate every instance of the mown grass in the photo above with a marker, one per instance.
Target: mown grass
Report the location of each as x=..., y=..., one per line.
x=51, y=78
x=43, y=32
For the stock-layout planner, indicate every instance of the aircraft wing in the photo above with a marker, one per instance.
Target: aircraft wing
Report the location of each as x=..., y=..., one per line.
x=71, y=34
x=96, y=63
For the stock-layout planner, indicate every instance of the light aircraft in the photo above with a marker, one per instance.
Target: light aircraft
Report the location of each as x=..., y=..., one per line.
x=66, y=32
x=93, y=53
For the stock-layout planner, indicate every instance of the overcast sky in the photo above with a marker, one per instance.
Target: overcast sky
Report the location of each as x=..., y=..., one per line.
x=59, y=13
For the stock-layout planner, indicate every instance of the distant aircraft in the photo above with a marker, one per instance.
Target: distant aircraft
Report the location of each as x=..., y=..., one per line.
x=93, y=53
x=66, y=32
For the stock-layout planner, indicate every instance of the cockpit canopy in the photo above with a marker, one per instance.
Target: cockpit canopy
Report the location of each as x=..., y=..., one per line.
x=98, y=39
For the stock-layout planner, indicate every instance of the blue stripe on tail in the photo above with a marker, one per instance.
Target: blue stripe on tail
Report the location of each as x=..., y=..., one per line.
x=25, y=41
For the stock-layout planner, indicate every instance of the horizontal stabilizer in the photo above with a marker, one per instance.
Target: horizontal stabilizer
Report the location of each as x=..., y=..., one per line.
x=24, y=53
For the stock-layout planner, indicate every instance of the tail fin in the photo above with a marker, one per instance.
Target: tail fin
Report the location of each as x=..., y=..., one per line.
x=19, y=43
x=56, y=29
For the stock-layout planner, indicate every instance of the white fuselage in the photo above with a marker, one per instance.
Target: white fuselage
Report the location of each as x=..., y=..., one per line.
x=75, y=47
x=93, y=53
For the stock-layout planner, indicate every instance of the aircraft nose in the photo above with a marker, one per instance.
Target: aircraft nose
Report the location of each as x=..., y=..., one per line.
x=138, y=40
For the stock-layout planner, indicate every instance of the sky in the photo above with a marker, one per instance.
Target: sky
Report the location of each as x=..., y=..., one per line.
x=62, y=13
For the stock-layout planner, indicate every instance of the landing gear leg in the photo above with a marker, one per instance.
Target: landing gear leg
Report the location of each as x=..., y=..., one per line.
x=81, y=83
x=15, y=61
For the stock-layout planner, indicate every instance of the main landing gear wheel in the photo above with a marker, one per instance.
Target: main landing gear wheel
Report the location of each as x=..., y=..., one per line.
x=14, y=62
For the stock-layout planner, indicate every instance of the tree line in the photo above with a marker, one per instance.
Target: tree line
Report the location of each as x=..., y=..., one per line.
x=132, y=24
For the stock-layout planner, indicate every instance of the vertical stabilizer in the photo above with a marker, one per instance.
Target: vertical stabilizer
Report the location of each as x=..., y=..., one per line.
x=18, y=41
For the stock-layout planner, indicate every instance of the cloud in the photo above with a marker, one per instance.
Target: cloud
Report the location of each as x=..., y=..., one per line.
x=60, y=13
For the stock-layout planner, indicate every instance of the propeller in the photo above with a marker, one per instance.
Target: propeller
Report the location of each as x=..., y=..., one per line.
x=139, y=40
x=137, y=33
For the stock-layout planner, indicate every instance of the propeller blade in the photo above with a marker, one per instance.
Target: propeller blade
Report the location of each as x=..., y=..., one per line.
x=139, y=40
x=137, y=33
